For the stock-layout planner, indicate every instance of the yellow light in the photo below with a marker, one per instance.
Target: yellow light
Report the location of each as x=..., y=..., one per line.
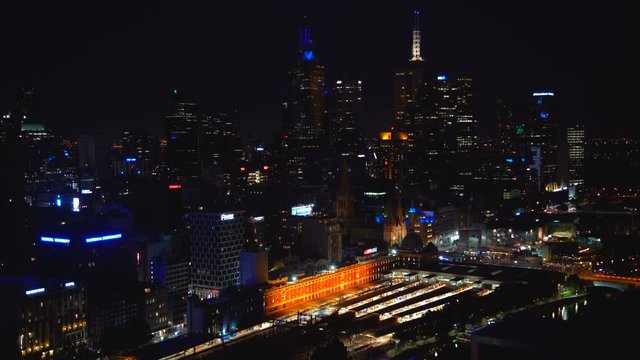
x=385, y=135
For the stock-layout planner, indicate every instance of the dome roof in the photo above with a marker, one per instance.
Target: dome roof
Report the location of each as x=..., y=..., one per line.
x=412, y=242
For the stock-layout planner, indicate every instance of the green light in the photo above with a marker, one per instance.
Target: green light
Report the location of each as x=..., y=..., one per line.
x=519, y=129
x=175, y=91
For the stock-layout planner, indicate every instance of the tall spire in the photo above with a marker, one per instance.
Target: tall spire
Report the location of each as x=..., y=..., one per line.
x=415, y=47
x=306, y=43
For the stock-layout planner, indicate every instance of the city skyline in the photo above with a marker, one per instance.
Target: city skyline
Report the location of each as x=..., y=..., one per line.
x=497, y=45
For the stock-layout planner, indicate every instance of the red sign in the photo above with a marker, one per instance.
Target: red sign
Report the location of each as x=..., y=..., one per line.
x=371, y=251
x=175, y=186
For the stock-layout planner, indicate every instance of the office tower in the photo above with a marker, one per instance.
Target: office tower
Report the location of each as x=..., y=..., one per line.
x=138, y=154
x=304, y=111
x=42, y=317
x=347, y=114
x=221, y=151
x=543, y=132
x=412, y=113
x=321, y=238
x=507, y=107
x=458, y=133
x=216, y=242
x=394, y=150
x=576, y=149
x=182, y=138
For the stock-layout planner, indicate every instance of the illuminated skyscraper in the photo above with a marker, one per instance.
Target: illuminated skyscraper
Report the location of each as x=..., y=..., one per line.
x=348, y=111
x=543, y=132
x=413, y=90
x=410, y=88
x=216, y=242
x=305, y=112
x=182, y=138
x=457, y=128
x=576, y=149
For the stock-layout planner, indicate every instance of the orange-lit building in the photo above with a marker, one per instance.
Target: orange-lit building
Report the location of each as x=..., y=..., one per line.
x=284, y=297
x=394, y=146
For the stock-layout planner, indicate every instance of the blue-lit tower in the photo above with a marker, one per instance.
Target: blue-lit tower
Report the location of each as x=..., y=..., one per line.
x=304, y=111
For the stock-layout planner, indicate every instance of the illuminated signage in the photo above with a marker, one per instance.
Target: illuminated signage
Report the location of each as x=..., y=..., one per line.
x=360, y=156
x=86, y=191
x=412, y=210
x=442, y=77
x=259, y=148
x=75, y=204
x=54, y=240
x=258, y=218
x=242, y=168
x=225, y=217
x=510, y=160
x=370, y=193
x=175, y=186
x=302, y=210
x=265, y=167
x=34, y=291
x=70, y=284
x=370, y=251
x=130, y=159
x=103, y=238
x=543, y=94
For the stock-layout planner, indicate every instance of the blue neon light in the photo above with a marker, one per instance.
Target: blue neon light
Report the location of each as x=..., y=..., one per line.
x=442, y=77
x=523, y=159
x=308, y=55
x=34, y=291
x=70, y=284
x=54, y=240
x=379, y=219
x=412, y=210
x=544, y=115
x=66, y=153
x=131, y=159
x=510, y=160
x=103, y=238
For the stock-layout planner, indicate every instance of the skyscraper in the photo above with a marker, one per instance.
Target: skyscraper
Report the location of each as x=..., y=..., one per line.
x=216, y=242
x=543, y=132
x=412, y=110
x=576, y=148
x=347, y=112
x=457, y=131
x=182, y=139
x=304, y=111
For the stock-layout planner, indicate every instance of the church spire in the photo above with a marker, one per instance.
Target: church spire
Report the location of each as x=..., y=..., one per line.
x=415, y=47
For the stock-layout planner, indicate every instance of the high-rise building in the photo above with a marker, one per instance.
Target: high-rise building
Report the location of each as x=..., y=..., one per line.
x=454, y=113
x=412, y=92
x=305, y=112
x=182, y=138
x=347, y=113
x=42, y=317
x=543, y=132
x=216, y=242
x=576, y=149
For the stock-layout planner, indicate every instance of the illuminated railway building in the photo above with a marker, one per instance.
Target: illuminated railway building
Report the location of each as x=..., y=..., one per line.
x=279, y=298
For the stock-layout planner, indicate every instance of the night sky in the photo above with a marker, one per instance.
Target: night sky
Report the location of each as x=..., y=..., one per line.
x=110, y=67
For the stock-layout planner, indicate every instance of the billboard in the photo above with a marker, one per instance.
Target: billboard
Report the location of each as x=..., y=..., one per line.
x=302, y=210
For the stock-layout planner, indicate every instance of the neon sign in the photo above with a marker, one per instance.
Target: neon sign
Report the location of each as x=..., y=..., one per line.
x=225, y=217
x=371, y=251
x=103, y=238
